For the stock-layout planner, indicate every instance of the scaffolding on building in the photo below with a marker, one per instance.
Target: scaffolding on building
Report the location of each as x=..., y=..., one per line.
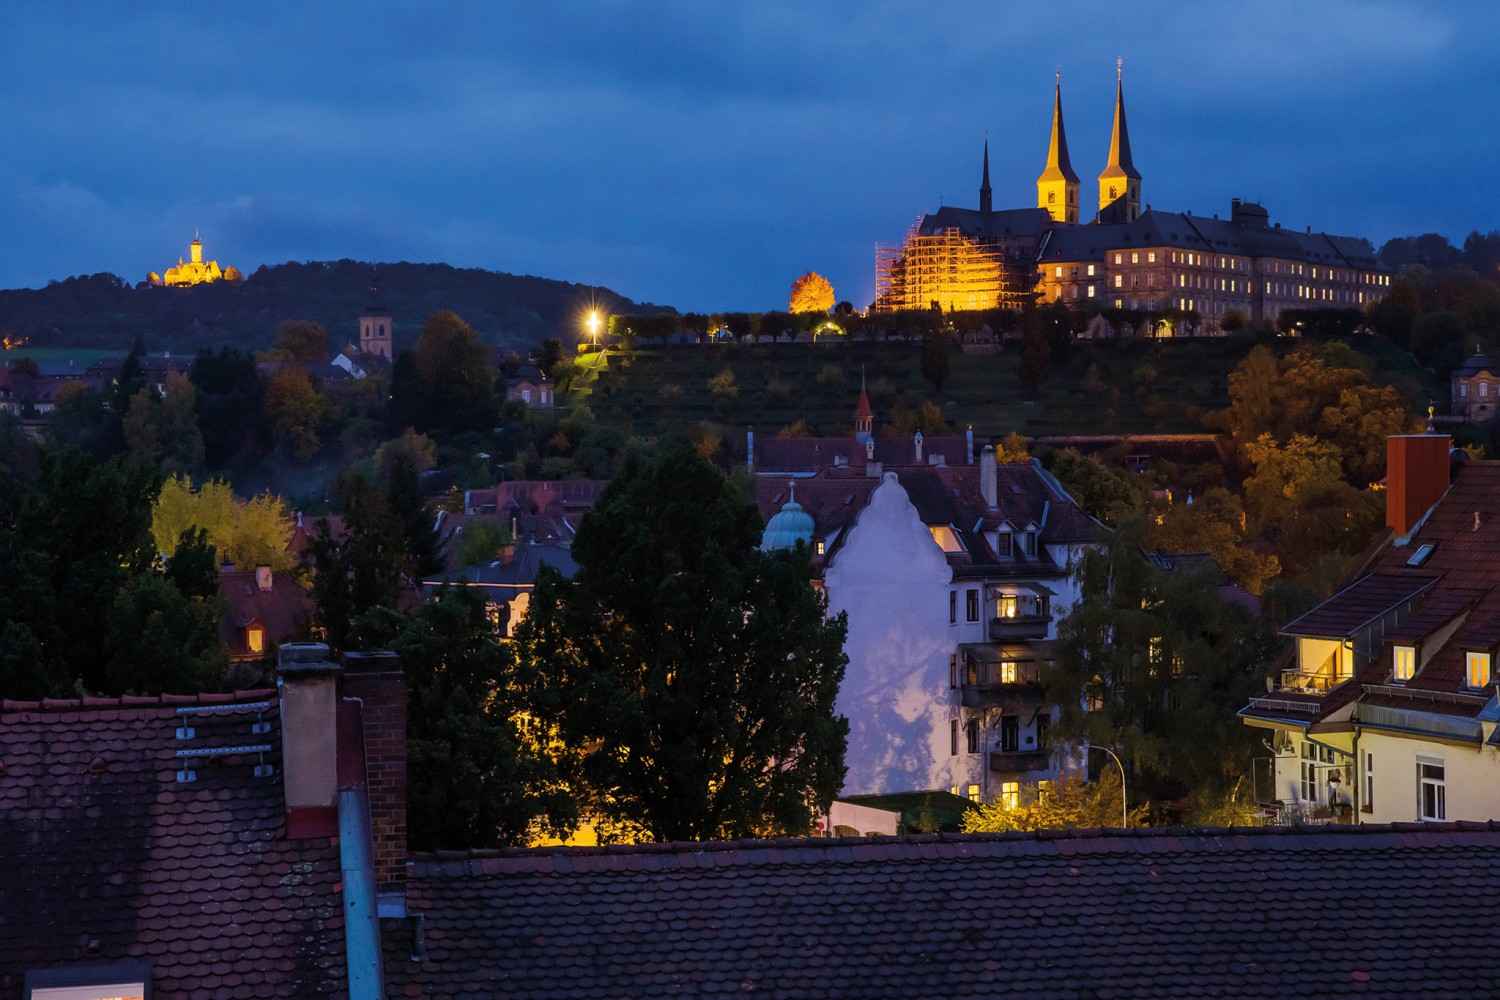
x=952, y=269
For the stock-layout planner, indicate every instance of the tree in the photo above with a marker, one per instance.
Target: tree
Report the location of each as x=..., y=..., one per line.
x=164, y=432
x=1152, y=663
x=229, y=404
x=811, y=293
x=1012, y=450
x=480, y=772
x=248, y=533
x=457, y=375
x=1214, y=524
x=1104, y=491
x=1069, y=804
x=935, y=360
x=295, y=411
x=1036, y=357
x=550, y=355
x=417, y=450
x=691, y=675
x=163, y=640
x=482, y=541
x=301, y=341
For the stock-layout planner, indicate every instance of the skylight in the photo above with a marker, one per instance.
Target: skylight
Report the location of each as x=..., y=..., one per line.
x=1420, y=556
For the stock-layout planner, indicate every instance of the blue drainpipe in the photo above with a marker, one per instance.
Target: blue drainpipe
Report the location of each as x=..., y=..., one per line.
x=361, y=924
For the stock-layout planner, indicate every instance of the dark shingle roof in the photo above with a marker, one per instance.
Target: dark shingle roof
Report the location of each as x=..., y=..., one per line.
x=1007, y=223
x=1349, y=610
x=1208, y=235
x=108, y=857
x=1277, y=912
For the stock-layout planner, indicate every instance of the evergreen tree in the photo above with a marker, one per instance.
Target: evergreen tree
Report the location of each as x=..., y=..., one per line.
x=691, y=675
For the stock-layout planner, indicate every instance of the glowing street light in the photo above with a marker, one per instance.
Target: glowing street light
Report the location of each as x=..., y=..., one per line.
x=592, y=322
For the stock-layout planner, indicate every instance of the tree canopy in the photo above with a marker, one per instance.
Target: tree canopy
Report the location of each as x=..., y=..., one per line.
x=811, y=293
x=692, y=675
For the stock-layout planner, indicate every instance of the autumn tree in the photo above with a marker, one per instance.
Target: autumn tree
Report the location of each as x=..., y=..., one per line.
x=452, y=378
x=164, y=431
x=301, y=341
x=691, y=676
x=1069, y=804
x=1214, y=523
x=1106, y=492
x=248, y=533
x=295, y=410
x=1012, y=450
x=811, y=293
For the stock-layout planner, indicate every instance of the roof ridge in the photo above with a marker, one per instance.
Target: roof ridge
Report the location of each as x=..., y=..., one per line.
x=90, y=702
x=454, y=861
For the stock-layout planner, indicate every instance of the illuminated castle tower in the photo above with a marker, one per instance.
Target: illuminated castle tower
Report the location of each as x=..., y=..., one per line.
x=1119, y=182
x=1057, y=187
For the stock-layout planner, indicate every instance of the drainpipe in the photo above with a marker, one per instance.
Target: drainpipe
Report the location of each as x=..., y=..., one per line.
x=357, y=860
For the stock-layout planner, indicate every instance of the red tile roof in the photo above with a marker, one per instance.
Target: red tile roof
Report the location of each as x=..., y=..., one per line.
x=1275, y=912
x=283, y=612
x=108, y=857
x=1358, y=604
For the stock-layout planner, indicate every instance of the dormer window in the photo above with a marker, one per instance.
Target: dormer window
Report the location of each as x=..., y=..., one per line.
x=255, y=638
x=1003, y=547
x=1403, y=662
x=1477, y=669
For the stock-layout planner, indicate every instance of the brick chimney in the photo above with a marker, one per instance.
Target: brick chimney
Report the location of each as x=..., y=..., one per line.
x=376, y=679
x=989, y=477
x=307, y=686
x=1416, y=476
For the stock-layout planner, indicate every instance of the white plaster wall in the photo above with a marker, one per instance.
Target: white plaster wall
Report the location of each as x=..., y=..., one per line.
x=892, y=580
x=1472, y=776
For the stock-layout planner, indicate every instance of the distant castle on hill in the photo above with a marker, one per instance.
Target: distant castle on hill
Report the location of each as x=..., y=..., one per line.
x=195, y=270
x=1198, y=269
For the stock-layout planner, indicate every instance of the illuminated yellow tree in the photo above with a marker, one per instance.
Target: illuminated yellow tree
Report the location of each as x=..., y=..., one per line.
x=811, y=293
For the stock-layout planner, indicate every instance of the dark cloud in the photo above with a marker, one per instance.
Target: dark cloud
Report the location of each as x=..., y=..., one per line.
x=703, y=154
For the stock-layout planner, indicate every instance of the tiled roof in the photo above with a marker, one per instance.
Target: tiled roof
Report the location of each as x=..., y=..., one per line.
x=808, y=454
x=106, y=856
x=522, y=570
x=1474, y=364
x=283, y=611
x=1349, y=610
x=1009, y=223
x=536, y=495
x=1275, y=912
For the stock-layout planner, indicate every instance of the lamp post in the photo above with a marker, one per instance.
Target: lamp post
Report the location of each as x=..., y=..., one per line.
x=592, y=323
x=1124, y=807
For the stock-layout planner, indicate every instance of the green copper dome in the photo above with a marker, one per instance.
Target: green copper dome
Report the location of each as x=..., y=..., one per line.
x=788, y=526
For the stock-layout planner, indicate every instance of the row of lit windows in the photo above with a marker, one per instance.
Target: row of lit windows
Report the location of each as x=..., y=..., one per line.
x=1463, y=390
x=1135, y=257
x=1476, y=666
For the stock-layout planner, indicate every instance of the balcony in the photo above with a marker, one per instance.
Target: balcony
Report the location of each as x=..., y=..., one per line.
x=1019, y=761
x=997, y=675
x=1032, y=626
x=1300, y=682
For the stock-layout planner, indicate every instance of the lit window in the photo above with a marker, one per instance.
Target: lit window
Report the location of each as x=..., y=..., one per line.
x=821, y=548
x=1135, y=258
x=1006, y=606
x=1151, y=257
x=1403, y=662
x=1010, y=794
x=1432, y=789
x=1477, y=669
x=1091, y=270
x=973, y=793
x=1119, y=281
x=1010, y=672
x=255, y=639
x=1057, y=271
x=946, y=538
x=1119, y=258
x=1119, y=303
x=1091, y=291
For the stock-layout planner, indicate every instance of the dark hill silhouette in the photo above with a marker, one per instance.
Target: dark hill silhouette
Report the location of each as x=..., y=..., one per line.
x=104, y=311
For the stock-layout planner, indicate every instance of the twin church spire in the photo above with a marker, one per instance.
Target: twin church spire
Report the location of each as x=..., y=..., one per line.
x=1057, y=188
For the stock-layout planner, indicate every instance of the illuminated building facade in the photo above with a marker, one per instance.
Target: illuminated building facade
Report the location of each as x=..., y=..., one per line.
x=195, y=270
x=1127, y=257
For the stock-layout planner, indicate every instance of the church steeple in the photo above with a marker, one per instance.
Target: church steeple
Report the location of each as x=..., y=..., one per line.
x=864, y=416
x=1119, y=181
x=1057, y=187
x=986, y=200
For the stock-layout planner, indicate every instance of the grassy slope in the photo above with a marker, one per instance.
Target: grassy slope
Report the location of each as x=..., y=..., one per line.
x=656, y=390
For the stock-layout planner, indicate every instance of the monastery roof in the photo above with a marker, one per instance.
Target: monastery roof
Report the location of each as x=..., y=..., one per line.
x=1091, y=913
x=1005, y=223
x=108, y=857
x=1208, y=235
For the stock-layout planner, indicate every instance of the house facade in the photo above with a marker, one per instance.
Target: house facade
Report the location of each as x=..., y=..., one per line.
x=1475, y=389
x=1386, y=709
x=954, y=578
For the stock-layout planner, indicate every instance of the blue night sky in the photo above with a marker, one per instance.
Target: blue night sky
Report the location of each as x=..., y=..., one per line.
x=704, y=154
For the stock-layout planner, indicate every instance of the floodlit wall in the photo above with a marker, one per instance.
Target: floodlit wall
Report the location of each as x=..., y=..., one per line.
x=1471, y=775
x=892, y=580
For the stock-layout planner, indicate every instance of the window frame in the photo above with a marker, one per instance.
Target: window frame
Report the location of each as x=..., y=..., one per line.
x=971, y=735
x=952, y=607
x=952, y=737
x=971, y=605
x=1471, y=656
x=1010, y=734
x=1367, y=799
x=1403, y=656
x=1438, y=783
x=1010, y=795
x=83, y=975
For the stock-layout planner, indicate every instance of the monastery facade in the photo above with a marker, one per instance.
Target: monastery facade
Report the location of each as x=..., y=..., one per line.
x=1124, y=257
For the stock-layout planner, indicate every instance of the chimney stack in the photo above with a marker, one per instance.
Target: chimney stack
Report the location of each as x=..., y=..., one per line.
x=750, y=449
x=307, y=686
x=917, y=444
x=989, y=477
x=969, y=445
x=375, y=678
x=1416, y=476
x=263, y=579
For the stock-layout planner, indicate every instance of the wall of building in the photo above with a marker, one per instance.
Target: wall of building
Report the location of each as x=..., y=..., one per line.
x=892, y=580
x=1472, y=776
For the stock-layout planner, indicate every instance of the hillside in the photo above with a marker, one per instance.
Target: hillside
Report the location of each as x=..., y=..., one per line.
x=104, y=311
x=1137, y=387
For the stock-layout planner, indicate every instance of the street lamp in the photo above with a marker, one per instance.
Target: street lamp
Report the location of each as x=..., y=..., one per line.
x=1124, y=808
x=593, y=322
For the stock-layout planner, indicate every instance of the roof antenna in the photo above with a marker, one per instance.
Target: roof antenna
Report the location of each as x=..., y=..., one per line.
x=1119, y=68
x=791, y=485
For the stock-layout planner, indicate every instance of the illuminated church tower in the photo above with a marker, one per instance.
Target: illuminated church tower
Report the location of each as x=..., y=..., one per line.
x=1057, y=187
x=1119, y=181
